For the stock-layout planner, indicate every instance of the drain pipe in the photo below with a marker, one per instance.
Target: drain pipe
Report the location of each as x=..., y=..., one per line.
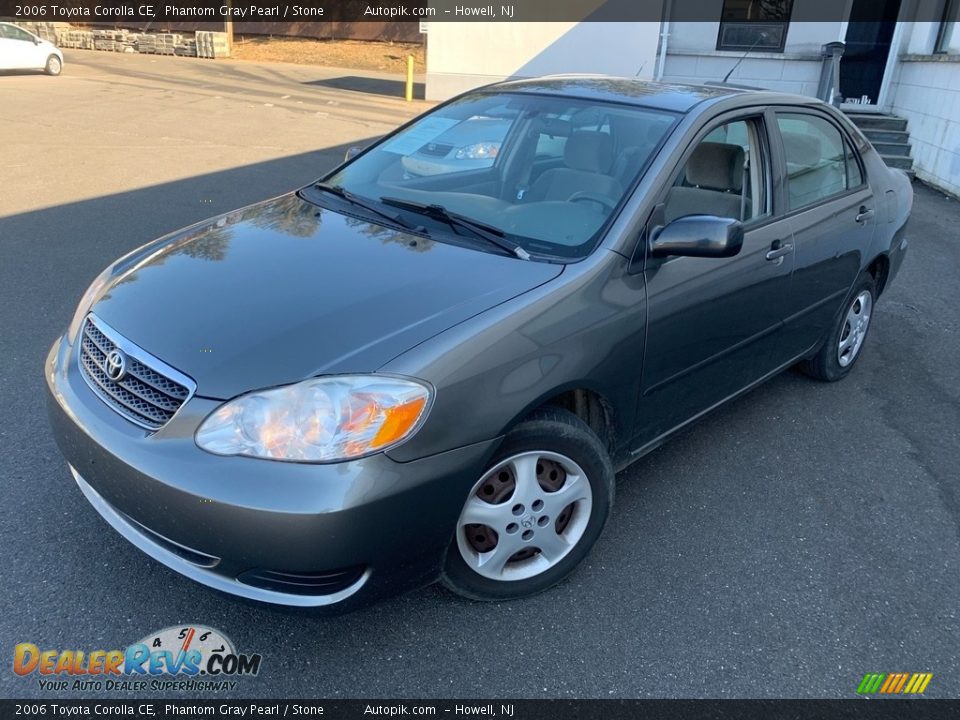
x=664, y=36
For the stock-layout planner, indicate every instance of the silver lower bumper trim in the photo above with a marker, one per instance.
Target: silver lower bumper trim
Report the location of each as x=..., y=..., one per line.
x=203, y=575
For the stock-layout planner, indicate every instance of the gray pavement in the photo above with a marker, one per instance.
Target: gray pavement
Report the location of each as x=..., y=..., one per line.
x=782, y=547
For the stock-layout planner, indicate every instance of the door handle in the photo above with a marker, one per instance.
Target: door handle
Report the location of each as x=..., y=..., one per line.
x=864, y=214
x=778, y=250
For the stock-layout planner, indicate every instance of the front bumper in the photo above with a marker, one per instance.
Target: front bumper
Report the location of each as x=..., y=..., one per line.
x=288, y=533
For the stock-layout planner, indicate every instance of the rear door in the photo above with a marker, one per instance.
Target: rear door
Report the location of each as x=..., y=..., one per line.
x=713, y=323
x=832, y=213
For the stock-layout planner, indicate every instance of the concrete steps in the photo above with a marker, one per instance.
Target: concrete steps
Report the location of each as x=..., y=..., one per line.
x=877, y=121
x=889, y=135
x=896, y=149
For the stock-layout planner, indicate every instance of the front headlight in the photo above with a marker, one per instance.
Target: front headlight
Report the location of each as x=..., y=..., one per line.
x=320, y=420
x=478, y=151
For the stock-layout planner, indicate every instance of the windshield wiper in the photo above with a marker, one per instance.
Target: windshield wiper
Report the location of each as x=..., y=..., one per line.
x=491, y=234
x=365, y=204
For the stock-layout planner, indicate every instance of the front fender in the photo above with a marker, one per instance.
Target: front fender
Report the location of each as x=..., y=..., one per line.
x=584, y=330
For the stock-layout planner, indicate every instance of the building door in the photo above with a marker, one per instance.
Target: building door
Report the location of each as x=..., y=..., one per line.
x=869, y=41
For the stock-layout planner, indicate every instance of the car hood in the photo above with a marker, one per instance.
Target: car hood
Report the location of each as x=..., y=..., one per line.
x=284, y=290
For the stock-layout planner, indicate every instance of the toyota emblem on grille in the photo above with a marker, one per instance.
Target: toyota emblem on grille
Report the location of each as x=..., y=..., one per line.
x=116, y=366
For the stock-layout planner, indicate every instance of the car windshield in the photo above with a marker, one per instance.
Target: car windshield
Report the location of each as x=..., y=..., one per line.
x=547, y=171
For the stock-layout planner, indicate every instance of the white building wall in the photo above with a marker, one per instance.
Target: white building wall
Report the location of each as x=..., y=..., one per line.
x=925, y=88
x=461, y=56
x=926, y=91
x=692, y=56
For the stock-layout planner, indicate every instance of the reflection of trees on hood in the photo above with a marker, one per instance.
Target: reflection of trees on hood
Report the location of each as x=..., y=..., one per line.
x=414, y=243
x=289, y=215
x=211, y=245
x=208, y=243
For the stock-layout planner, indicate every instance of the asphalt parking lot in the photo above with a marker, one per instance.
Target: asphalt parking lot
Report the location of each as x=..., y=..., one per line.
x=782, y=547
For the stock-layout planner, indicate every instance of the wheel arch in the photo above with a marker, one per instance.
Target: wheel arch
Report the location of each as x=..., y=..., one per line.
x=879, y=268
x=587, y=403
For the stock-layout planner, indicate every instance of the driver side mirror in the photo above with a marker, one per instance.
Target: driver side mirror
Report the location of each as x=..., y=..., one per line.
x=698, y=236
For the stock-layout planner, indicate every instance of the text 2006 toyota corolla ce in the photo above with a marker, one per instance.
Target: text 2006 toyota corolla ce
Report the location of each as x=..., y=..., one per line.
x=383, y=380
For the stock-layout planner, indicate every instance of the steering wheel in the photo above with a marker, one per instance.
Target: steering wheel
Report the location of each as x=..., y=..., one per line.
x=586, y=196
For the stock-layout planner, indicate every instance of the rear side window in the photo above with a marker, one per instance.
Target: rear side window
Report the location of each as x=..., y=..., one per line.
x=820, y=162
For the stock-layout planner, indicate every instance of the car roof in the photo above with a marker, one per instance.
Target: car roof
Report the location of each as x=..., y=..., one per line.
x=675, y=97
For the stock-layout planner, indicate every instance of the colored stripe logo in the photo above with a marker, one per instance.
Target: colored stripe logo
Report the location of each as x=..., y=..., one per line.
x=894, y=683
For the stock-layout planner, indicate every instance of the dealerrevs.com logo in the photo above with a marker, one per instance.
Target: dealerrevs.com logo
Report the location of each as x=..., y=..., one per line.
x=183, y=657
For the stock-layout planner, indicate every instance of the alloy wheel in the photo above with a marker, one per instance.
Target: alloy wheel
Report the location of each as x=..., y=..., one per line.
x=854, y=328
x=524, y=516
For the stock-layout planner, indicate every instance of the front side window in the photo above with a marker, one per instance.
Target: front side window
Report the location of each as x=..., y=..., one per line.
x=820, y=163
x=754, y=25
x=725, y=176
x=15, y=33
x=547, y=171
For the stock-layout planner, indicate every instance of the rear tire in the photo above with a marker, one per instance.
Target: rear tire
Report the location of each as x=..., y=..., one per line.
x=54, y=66
x=844, y=344
x=535, y=512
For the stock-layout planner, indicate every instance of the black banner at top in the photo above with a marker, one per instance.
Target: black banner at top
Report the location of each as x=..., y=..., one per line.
x=407, y=11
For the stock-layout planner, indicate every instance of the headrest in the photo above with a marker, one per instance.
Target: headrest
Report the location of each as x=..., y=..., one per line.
x=556, y=127
x=717, y=166
x=589, y=150
x=801, y=149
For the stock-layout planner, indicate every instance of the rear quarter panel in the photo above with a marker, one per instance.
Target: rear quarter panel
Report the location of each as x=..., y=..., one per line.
x=893, y=198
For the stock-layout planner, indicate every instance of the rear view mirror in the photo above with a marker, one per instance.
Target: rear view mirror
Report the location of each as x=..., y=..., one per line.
x=699, y=236
x=352, y=152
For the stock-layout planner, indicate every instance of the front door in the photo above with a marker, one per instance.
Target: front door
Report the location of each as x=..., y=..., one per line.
x=18, y=49
x=865, y=58
x=713, y=323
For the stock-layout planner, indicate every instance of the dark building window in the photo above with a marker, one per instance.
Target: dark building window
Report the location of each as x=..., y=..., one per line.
x=754, y=25
x=946, y=27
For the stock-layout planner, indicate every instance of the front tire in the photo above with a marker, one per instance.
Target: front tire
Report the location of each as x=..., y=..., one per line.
x=535, y=512
x=844, y=345
x=54, y=66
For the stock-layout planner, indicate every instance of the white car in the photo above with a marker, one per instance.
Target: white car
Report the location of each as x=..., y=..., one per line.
x=22, y=50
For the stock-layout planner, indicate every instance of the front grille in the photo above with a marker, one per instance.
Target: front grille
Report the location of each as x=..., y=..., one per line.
x=327, y=582
x=148, y=394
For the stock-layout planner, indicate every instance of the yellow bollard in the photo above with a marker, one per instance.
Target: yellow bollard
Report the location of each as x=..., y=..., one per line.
x=409, y=94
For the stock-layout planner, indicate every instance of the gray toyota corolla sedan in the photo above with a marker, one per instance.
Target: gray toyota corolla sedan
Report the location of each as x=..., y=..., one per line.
x=380, y=380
